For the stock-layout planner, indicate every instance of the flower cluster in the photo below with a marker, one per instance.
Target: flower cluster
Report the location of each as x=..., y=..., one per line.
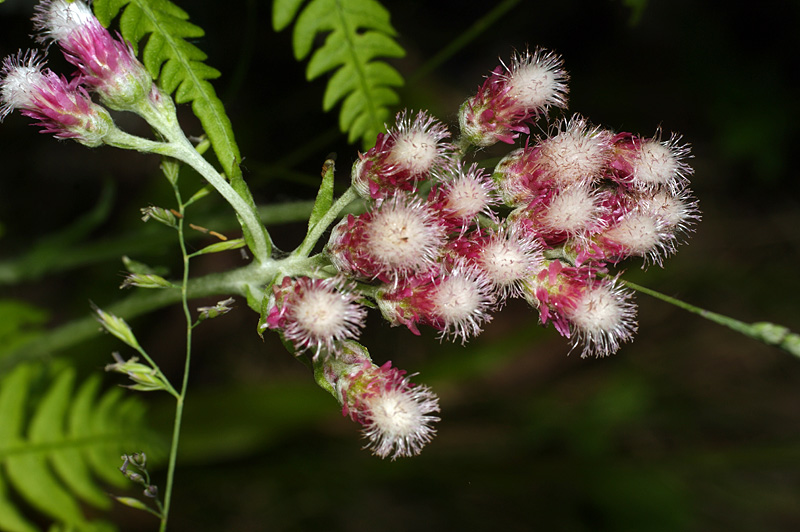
x=436, y=247
x=106, y=67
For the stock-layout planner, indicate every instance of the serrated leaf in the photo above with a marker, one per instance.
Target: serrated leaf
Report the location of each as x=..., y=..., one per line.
x=360, y=34
x=51, y=461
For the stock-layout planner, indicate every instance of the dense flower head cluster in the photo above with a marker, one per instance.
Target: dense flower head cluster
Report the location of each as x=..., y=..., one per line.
x=445, y=244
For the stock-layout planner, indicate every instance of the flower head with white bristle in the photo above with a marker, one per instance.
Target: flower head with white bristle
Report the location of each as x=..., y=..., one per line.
x=603, y=317
x=315, y=314
x=59, y=106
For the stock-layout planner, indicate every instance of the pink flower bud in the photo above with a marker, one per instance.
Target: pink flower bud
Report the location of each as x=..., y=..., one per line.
x=106, y=64
x=60, y=107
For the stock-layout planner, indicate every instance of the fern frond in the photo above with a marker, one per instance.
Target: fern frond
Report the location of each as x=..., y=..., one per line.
x=177, y=64
x=52, y=460
x=360, y=32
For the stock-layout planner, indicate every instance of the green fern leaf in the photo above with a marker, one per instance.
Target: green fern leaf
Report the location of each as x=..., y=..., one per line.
x=360, y=32
x=177, y=64
x=51, y=461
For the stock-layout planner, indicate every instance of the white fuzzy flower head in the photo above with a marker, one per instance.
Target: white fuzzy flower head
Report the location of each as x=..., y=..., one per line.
x=461, y=302
x=467, y=193
x=575, y=154
x=573, y=210
x=660, y=164
x=20, y=81
x=678, y=211
x=603, y=317
x=58, y=19
x=537, y=80
x=398, y=420
x=508, y=258
x=418, y=145
x=316, y=313
x=640, y=234
x=404, y=236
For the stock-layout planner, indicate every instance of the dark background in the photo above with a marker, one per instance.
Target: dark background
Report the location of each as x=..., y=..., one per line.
x=690, y=427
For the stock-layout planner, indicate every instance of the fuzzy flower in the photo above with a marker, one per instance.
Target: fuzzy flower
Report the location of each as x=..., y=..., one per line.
x=456, y=301
x=677, y=211
x=640, y=233
x=512, y=96
x=60, y=107
x=401, y=237
x=397, y=416
x=106, y=64
x=602, y=317
x=315, y=314
x=575, y=211
x=402, y=157
x=650, y=164
x=577, y=153
x=595, y=313
x=462, y=195
x=507, y=257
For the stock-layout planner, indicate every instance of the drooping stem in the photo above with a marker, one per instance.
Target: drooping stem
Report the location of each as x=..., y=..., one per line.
x=765, y=332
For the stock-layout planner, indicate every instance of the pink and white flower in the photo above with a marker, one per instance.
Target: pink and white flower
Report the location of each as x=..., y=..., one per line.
x=61, y=107
x=106, y=64
x=315, y=314
x=402, y=157
x=396, y=415
x=513, y=96
x=400, y=237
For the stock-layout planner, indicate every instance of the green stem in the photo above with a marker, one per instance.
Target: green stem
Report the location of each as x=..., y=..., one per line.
x=181, y=398
x=314, y=234
x=185, y=152
x=765, y=332
x=163, y=119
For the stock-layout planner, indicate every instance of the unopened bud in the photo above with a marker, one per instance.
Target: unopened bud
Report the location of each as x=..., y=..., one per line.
x=159, y=214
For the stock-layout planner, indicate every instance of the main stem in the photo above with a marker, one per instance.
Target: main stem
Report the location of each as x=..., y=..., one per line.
x=181, y=398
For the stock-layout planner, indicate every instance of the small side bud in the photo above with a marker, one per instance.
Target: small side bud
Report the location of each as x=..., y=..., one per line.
x=222, y=307
x=159, y=214
x=117, y=327
x=146, y=378
x=146, y=281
